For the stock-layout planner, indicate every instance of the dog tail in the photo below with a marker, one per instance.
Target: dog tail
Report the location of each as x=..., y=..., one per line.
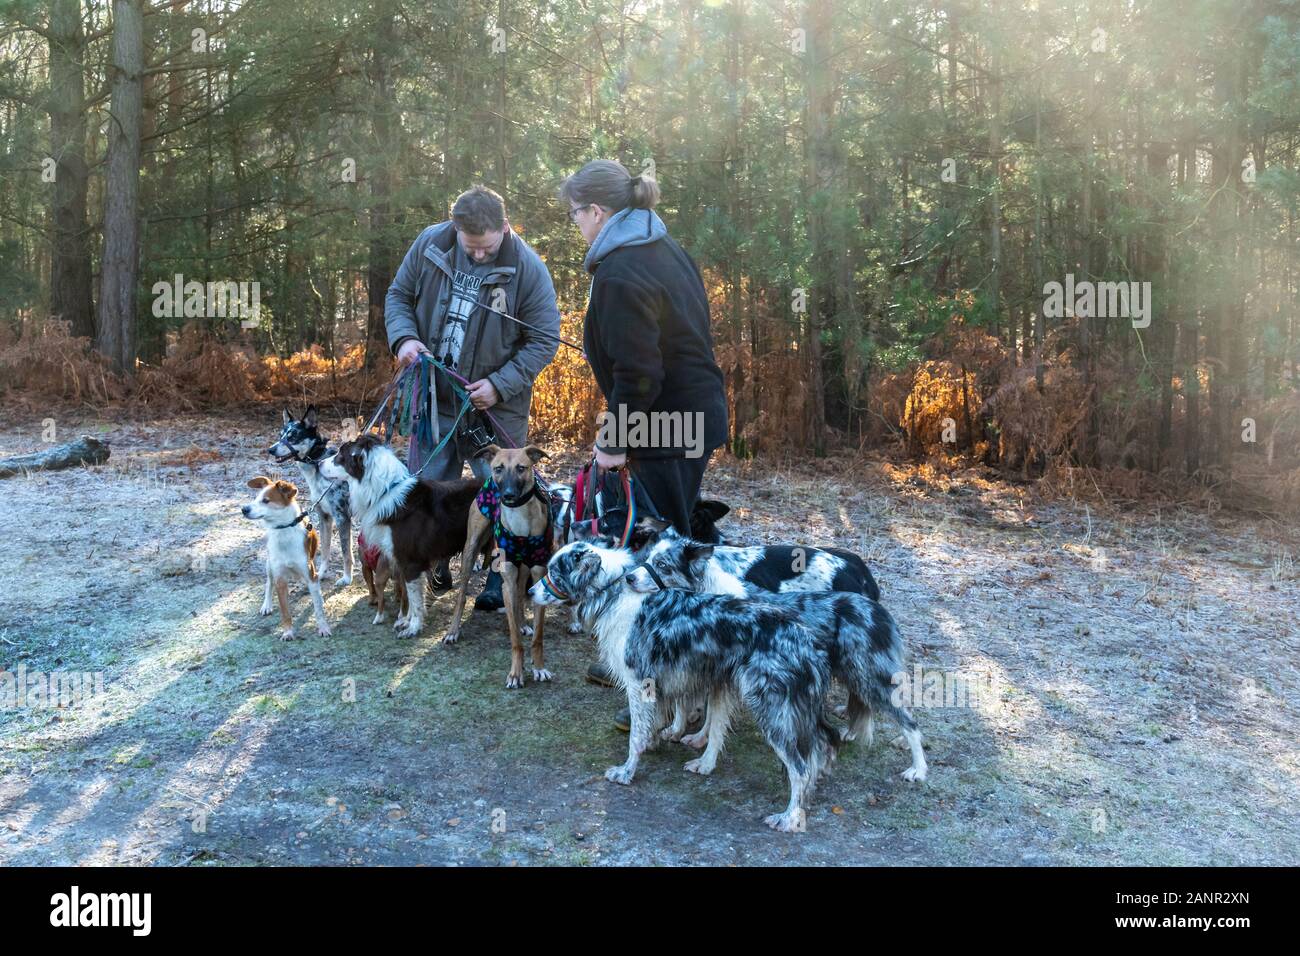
x=870, y=651
x=313, y=542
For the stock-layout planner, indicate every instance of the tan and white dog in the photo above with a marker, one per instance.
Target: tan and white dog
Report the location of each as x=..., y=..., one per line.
x=291, y=545
x=517, y=526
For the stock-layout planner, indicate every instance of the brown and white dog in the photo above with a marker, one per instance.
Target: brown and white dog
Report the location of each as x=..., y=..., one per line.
x=291, y=545
x=414, y=523
x=520, y=550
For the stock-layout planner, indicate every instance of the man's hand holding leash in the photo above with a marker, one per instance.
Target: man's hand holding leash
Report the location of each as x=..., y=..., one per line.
x=482, y=394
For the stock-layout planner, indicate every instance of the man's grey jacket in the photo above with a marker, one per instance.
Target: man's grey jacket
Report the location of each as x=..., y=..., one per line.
x=506, y=353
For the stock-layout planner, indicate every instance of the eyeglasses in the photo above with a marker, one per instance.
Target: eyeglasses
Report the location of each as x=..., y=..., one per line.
x=573, y=213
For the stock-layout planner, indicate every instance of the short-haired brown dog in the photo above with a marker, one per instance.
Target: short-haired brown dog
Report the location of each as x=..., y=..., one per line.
x=516, y=530
x=291, y=545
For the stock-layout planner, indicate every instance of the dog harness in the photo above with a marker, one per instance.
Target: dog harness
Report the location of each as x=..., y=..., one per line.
x=527, y=550
x=369, y=552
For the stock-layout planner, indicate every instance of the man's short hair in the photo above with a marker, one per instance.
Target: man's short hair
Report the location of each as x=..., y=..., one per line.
x=479, y=210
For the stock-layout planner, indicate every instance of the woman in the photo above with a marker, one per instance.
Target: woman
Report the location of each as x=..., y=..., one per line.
x=648, y=340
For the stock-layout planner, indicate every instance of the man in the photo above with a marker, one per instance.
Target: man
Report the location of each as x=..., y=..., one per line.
x=435, y=306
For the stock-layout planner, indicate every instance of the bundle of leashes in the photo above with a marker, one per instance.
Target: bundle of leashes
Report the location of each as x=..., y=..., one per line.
x=605, y=499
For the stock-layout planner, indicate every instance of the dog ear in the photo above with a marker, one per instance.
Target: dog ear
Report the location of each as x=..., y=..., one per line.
x=489, y=451
x=646, y=531
x=261, y=481
x=535, y=454
x=309, y=416
x=287, y=488
x=287, y=417
x=716, y=510
x=697, y=556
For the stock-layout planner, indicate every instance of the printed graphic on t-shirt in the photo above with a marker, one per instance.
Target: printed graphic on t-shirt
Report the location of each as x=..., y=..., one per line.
x=464, y=297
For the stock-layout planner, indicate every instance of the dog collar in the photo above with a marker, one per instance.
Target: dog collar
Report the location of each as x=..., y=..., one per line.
x=324, y=452
x=301, y=515
x=556, y=591
x=520, y=500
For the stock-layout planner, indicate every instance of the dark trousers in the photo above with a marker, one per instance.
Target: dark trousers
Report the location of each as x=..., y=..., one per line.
x=668, y=487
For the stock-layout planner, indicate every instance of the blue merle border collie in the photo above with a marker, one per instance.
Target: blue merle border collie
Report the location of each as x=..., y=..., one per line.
x=301, y=441
x=740, y=570
x=670, y=644
x=862, y=640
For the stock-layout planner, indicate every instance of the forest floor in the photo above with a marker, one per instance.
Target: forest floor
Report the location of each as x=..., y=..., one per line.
x=1146, y=703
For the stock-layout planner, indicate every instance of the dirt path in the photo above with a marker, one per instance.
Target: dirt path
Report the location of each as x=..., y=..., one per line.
x=1144, y=706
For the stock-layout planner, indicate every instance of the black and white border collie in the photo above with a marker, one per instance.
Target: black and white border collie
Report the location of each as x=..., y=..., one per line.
x=674, y=644
x=780, y=568
x=414, y=522
x=301, y=441
x=863, y=642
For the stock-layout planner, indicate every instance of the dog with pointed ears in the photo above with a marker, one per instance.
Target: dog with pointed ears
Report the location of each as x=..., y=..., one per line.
x=301, y=441
x=291, y=545
x=511, y=520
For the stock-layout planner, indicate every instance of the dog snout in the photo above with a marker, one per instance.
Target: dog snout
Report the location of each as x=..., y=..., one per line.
x=247, y=510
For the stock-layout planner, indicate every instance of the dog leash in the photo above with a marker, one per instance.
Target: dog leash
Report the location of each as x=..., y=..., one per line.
x=553, y=335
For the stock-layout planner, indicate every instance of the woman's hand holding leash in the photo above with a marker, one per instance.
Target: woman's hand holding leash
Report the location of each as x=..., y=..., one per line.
x=609, y=462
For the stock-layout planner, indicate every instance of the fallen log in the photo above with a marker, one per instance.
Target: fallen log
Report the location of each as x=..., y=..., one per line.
x=84, y=451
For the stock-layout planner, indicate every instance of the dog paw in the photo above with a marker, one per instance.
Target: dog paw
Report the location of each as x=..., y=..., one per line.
x=526, y=631
x=324, y=630
x=669, y=734
x=379, y=618
x=914, y=774
x=700, y=765
x=287, y=634
x=541, y=675
x=574, y=627
x=451, y=637
x=514, y=681
x=620, y=774
x=696, y=740
x=795, y=821
x=410, y=629
x=266, y=609
x=343, y=580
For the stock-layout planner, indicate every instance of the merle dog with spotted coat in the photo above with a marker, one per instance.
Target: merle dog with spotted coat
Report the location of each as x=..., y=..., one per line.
x=861, y=638
x=673, y=644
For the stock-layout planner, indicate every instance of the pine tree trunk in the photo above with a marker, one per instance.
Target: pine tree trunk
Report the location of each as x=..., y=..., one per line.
x=120, y=265
x=70, y=294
